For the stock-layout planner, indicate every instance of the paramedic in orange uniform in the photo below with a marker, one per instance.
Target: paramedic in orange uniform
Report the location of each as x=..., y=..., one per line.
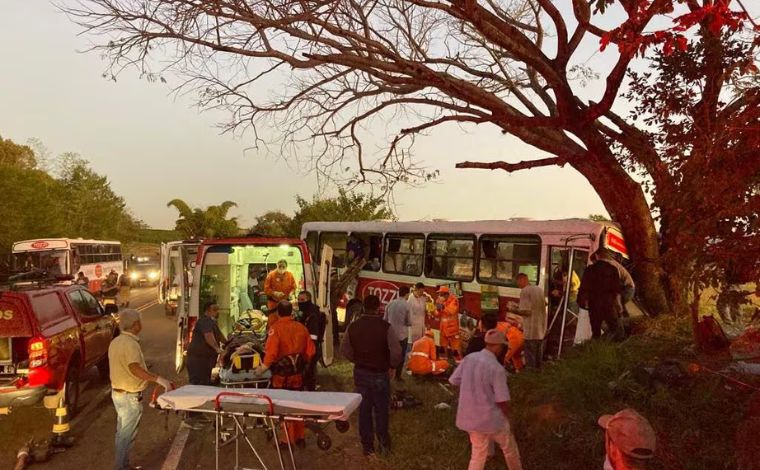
x=448, y=313
x=424, y=358
x=516, y=341
x=279, y=284
x=289, y=348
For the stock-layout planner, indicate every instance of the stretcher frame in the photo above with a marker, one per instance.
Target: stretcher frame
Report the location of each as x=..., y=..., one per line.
x=271, y=419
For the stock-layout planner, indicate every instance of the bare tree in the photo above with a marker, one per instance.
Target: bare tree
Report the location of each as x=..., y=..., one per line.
x=410, y=65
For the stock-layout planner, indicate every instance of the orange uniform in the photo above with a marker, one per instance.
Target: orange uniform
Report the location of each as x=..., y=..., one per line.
x=283, y=283
x=449, y=316
x=516, y=342
x=424, y=358
x=289, y=339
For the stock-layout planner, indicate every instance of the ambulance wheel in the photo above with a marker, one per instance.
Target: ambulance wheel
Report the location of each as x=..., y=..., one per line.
x=342, y=426
x=323, y=441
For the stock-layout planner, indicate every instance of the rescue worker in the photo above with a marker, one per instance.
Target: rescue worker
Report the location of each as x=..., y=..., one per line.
x=423, y=359
x=279, y=285
x=125, y=290
x=516, y=341
x=448, y=313
x=289, y=348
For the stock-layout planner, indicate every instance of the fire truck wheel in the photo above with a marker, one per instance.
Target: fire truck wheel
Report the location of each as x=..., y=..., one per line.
x=72, y=388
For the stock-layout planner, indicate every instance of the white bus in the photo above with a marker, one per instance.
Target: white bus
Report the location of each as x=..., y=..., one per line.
x=68, y=256
x=478, y=260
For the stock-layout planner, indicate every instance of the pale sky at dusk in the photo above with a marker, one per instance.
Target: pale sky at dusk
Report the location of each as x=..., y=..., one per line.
x=155, y=147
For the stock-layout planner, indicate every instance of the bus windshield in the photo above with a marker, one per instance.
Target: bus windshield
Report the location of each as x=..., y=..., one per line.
x=52, y=261
x=234, y=277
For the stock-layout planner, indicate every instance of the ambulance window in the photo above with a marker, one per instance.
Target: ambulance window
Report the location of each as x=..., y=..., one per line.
x=337, y=241
x=503, y=258
x=450, y=257
x=403, y=254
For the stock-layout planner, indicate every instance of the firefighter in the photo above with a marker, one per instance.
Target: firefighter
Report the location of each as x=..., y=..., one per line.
x=288, y=349
x=448, y=314
x=279, y=285
x=516, y=342
x=424, y=359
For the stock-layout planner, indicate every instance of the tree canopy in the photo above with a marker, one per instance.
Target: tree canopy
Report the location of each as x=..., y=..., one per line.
x=515, y=65
x=346, y=206
x=75, y=202
x=205, y=223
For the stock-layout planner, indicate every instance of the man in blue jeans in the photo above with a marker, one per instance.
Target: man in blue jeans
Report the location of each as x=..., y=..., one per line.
x=372, y=345
x=129, y=377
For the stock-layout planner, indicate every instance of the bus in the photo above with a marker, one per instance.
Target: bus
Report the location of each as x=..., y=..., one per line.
x=69, y=256
x=231, y=273
x=478, y=260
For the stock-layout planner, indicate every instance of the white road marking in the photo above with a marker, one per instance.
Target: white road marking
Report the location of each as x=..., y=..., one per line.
x=147, y=306
x=175, y=453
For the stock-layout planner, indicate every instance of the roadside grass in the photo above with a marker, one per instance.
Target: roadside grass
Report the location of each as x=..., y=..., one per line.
x=555, y=410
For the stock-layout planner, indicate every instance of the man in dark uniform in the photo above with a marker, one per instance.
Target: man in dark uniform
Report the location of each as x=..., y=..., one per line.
x=601, y=292
x=204, y=348
x=315, y=321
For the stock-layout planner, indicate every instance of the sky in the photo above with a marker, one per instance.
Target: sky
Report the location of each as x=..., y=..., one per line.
x=155, y=146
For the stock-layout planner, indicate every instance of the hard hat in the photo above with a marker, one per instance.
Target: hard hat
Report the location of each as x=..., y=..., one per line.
x=443, y=290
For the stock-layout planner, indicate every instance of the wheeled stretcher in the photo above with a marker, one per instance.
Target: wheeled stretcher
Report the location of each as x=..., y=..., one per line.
x=268, y=410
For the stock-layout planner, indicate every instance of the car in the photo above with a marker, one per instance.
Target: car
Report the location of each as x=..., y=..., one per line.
x=49, y=334
x=143, y=271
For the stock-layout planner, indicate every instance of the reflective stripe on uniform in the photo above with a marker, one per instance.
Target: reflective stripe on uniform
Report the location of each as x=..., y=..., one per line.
x=416, y=353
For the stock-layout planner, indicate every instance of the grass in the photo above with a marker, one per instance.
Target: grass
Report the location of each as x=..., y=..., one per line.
x=555, y=410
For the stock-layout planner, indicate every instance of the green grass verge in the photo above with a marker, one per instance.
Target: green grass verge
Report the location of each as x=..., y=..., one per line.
x=555, y=410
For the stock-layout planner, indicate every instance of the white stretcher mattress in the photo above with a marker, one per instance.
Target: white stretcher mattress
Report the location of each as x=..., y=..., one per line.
x=329, y=405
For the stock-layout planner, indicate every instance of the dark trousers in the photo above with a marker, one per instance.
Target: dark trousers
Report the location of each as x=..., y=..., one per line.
x=375, y=389
x=310, y=373
x=607, y=315
x=199, y=369
x=404, y=345
x=534, y=352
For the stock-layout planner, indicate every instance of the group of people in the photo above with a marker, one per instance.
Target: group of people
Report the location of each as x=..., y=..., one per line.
x=377, y=346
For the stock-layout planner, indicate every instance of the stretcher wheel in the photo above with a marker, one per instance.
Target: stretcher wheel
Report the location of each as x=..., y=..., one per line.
x=342, y=426
x=323, y=441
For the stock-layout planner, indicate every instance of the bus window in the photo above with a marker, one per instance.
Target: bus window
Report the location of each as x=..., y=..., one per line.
x=450, y=257
x=336, y=241
x=503, y=258
x=403, y=254
x=372, y=246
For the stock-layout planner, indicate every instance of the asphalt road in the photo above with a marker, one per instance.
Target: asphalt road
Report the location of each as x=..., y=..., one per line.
x=95, y=424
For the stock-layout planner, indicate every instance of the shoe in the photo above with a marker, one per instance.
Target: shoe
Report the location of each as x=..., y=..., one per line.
x=368, y=452
x=385, y=448
x=283, y=446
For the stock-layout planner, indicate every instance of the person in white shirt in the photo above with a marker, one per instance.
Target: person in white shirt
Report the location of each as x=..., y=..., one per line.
x=483, y=410
x=533, y=308
x=418, y=310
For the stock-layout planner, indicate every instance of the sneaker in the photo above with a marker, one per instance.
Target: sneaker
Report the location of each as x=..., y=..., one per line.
x=368, y=452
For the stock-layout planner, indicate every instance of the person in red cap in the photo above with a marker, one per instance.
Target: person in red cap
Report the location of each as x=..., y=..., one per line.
x=448, y=313
x=629, y=440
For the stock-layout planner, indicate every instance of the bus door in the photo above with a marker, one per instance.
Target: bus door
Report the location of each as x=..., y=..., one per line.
x=565, y=271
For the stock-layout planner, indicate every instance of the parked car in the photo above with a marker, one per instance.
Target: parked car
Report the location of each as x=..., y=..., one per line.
x=48, y=336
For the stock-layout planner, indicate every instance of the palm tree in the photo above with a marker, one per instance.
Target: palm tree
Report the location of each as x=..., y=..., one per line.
x=209, y=223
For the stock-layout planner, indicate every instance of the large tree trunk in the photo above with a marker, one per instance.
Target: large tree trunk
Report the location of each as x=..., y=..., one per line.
x=624, y=200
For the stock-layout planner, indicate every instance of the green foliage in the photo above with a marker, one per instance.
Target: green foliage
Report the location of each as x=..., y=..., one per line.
x=209, y=223
x=72, y=202
x=20, y=156
x=157, y=236
x=273, y=224
x=598, y=218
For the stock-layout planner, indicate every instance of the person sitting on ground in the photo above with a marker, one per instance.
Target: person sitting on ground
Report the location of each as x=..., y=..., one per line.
x=477, y=342
x=424, y=358
x=516, y=340
x=629, y=441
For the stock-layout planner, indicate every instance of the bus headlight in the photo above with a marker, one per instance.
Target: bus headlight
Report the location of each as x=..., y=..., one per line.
x=133, y=276
x=153, y=275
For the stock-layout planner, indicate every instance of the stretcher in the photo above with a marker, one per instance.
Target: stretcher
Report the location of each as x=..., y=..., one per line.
x=268, y=410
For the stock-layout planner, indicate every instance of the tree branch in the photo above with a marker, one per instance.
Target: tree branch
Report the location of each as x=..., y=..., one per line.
x=512, y=167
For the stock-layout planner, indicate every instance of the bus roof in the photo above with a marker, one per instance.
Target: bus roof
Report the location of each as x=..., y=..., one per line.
x=508, y=226
x=52, y=243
